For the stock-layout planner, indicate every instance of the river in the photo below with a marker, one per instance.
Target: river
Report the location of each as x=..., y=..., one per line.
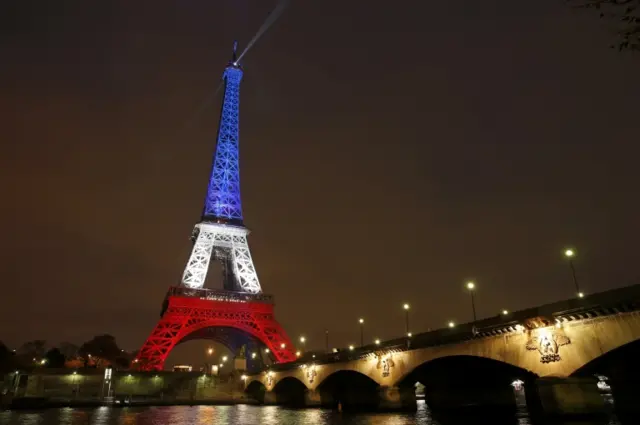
x=248, y=415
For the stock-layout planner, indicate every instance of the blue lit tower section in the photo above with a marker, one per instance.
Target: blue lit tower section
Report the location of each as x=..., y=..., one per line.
x=221, y=234
x=223, y=204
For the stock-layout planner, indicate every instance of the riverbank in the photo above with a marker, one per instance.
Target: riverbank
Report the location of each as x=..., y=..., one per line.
x=37, y=403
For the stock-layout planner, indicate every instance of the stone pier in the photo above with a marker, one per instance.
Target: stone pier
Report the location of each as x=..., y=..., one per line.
x=397, y=398
x=564, y=397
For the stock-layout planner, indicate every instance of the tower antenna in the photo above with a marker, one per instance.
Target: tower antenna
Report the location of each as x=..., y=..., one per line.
x=234, y=58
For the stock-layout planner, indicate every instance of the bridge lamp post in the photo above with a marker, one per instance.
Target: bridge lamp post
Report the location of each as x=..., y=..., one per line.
x=361, y=321
x=302, y=341
x=326, y=339
x=570, y=253
x=471, y=287
x=406, y=308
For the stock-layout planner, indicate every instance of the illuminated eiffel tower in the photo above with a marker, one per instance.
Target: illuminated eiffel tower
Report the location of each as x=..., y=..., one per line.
x=239, y=309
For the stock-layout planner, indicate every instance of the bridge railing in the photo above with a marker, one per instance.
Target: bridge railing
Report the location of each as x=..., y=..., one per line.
x=219, y=295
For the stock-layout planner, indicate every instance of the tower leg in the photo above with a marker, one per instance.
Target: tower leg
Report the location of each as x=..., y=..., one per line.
x=196, y=271
x=186, y=315
x=233, y=238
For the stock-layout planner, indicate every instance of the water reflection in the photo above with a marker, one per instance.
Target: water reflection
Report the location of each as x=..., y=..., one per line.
x=259, y=415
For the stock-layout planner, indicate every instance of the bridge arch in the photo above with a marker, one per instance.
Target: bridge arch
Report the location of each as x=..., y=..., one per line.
x=256, y=390
x=186, y=317
x=464, y=367
x=457, y=381
x=617, y=363
x=351, y=389
x=290, y=391
x=609, y=345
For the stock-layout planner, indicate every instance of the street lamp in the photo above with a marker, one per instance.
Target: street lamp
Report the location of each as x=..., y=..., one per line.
x=406, y=308
x=471, y=287
x=302, y=341
x=452, y=324
x=570, y=253
x=326, y=340
x=224, y=359
x=210, y=351
x=361, y=321
x=505, y=312
x=377, y=341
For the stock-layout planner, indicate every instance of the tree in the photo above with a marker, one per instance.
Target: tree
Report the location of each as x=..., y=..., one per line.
x=7, y=359
x=626, y=14
x=33, y=349
x=54, y=358
x=30, y=353
x=102, y=347
x=69, y=350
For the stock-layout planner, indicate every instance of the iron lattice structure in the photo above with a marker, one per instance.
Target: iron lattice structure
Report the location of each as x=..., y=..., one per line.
x=187, y=315
x=227, y=244
x=223, y=193
x=220, y=235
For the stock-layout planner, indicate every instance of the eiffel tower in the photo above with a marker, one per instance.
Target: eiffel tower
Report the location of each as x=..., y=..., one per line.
x=239, y=310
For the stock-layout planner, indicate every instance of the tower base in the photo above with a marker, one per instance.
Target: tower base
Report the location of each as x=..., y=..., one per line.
x=187, y=311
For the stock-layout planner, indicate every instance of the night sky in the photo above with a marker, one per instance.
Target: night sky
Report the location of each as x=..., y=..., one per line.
x=389, y=152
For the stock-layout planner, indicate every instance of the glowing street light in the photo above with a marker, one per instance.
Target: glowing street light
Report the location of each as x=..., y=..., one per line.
x=224, y=359
x=377, y=341
x=361, y=321
x=505, y=312
x=298, y=353
x=406, y=308
x=326, y=339
x=570, y=253
x=302, y=341
x=471, y=287
x=266, y=350
x=210, y=351
x=351, y=348
x=452, y=324
x=409, y=334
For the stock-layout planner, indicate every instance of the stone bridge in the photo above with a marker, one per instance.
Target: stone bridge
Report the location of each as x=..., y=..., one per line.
x=554, y=350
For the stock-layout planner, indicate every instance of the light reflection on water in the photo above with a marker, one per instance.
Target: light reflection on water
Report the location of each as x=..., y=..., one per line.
x=246, y=415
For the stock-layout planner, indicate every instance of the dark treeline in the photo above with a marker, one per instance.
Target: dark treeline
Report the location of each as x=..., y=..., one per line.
x=99, y=351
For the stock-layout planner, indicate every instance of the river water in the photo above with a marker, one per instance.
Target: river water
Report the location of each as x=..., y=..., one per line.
x=248, y=415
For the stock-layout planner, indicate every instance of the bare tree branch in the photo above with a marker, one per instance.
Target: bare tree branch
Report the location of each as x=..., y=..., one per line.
x=625, y=16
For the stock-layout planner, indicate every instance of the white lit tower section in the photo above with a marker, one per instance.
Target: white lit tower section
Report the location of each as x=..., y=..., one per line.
x=221, y=234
